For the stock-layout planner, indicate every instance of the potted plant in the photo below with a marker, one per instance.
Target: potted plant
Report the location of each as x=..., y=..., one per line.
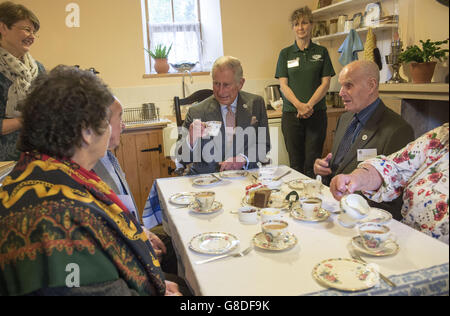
x=160, y=54
x=422, y=60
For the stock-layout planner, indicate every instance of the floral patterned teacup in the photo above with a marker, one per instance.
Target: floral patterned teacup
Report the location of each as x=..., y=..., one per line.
x=274, y=231
x=375, y=237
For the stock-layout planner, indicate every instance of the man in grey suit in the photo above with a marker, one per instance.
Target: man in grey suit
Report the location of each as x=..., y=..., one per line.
x=109, y=170
x=368, y=129
x=243, y=138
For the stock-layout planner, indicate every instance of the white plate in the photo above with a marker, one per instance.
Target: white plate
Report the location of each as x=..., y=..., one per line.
x=390, y=249
x=217, y=206
x=204, y=181
x=297, y=213
x=183, y=198
x=261, y=242
x=345, y=274
x=214, y=243
x=233, y=174
x=296, y=184
x=376, y=215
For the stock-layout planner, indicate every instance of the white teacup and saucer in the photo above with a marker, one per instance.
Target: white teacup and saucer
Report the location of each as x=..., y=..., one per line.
x=375, y=239
x=205, y=203
x=310, y=210
x=354, y=208
x=275, y=236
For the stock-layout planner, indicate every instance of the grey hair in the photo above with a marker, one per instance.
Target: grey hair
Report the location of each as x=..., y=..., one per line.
x=229, y=62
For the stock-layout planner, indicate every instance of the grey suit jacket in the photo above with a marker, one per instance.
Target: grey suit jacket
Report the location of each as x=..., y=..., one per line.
x=103, y=173
x=251, y=139
x=386, y=131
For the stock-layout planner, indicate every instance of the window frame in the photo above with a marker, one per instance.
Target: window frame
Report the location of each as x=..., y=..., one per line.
x=148, y=39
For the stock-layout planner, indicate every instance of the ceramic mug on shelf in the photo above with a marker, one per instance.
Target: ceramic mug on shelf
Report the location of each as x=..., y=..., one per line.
x=375, y=236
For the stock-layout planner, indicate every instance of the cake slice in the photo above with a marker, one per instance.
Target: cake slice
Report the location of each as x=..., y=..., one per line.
x=261, y=197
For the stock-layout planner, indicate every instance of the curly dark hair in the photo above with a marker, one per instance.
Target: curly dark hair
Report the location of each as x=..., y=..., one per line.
x=11, y=13
x=59, y=106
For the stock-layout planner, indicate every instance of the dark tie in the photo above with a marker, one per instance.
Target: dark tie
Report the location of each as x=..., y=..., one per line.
x=346, y=143
x=117, y=169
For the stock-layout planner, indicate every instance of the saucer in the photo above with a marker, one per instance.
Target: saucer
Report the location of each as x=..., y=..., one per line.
x=194, y=207
x=261, y=242
x=204, y=181
x=390, y=249
x=215, y=243
x=233, y=174
x=376, y=215
x=322, y=215
x=183, y=198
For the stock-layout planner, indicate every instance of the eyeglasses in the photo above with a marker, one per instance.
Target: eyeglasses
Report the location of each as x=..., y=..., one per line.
x=28, y=31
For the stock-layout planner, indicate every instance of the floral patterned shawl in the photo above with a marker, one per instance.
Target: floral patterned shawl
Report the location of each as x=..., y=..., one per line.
x=54, y=214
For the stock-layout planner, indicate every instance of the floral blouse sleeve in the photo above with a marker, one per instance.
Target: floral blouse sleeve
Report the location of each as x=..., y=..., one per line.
x=419, y=172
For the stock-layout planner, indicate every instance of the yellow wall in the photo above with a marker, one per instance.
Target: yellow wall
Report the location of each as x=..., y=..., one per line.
x=110, y=36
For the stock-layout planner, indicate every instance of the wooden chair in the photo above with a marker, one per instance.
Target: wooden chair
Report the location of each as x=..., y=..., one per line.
x=197, y=96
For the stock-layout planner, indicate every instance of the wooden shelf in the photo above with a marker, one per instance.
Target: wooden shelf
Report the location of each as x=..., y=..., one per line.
x=379, y=27
x=337, y=8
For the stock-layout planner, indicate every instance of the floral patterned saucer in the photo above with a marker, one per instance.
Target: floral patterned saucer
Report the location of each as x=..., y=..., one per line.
x=214, y=243
x=390, y=249
x=204, y=181
x=194, y=207
x=183, y=198
x=233, y=174
x=321, y=216
x=260, y=241
x=345, y=274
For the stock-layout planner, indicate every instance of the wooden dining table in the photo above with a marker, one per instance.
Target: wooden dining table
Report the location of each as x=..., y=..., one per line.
x=420, y=266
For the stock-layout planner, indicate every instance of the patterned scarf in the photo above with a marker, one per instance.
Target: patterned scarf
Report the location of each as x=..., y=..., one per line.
x=53, y=212
x=21, y=75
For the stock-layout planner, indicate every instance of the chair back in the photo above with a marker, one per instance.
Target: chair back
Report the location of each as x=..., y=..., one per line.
x=197, y=96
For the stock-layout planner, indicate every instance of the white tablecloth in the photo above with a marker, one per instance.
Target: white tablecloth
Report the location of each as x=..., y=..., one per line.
x=287, y=272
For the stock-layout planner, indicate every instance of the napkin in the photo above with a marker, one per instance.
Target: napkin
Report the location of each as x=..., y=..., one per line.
x=350, y=48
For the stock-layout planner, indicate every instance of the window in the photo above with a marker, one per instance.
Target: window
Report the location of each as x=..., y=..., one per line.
x=179, y=23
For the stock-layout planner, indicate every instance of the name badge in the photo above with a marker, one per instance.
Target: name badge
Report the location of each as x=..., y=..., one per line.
x=294, y=63
x=364, y=154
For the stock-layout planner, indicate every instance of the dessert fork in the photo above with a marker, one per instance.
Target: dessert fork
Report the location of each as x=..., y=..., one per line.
x=382, y=276
x=239, y=254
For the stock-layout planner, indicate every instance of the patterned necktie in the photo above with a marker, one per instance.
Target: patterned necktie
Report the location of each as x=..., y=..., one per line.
x=346, y=142
x=117, y=169
x=230, y=124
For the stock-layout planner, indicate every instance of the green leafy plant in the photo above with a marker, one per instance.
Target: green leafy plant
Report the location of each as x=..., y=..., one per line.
x=160, y=51
x=429, y=51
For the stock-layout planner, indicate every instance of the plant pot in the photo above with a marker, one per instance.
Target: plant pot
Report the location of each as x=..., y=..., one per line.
x=161, y=65
x=422, y=72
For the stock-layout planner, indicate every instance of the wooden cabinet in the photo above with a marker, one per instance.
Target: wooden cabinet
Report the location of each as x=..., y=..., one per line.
x=333, y=115
x=141, y=156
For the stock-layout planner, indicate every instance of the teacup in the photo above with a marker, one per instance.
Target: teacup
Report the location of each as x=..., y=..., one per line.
x=213, y=128
x=275, y=230
x=355, y=206
x=205, y=199
x=312, y=187
x=375, y=236
x=270, y=214
x=248, y=215
x=311, y=207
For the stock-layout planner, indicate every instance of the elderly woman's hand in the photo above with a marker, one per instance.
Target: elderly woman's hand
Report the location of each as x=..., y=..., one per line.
x=341, y=185
x=363, y=178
